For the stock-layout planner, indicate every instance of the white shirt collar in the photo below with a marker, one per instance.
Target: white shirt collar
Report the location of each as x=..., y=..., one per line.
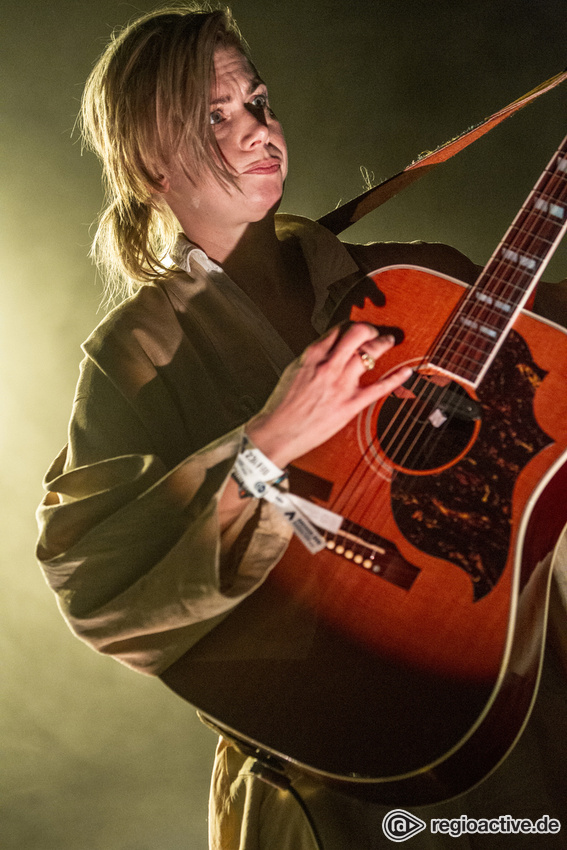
x=184, y=253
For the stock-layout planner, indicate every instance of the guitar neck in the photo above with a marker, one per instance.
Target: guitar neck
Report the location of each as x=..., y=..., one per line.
x=478, y=326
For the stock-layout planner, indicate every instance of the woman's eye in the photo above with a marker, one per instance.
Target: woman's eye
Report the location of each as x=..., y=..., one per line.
x=260, y=100
x=216, y=117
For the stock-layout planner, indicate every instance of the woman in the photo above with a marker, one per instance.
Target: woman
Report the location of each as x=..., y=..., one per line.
x=192, y=361
x=149, y=534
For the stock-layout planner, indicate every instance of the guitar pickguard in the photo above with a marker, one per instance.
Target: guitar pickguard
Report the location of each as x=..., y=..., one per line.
x=463, y=514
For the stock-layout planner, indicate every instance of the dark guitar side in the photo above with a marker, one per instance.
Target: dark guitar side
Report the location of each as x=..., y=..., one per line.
x=410, y=684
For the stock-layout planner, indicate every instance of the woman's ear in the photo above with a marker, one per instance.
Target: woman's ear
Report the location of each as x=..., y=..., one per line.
x=161, y=186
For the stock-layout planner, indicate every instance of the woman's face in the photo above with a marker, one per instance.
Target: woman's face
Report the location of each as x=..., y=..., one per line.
x=248, y=133
x=252, y=146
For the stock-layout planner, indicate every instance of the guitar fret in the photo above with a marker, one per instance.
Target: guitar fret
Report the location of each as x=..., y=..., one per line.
x=482, y=328
x=465, y=363
x=524, y=259
x=491, y=303
x=540, y=226
x=483, y=317
x=495, y=315
x=508, y=280
x=554, y=171
x=464, y=360
x=535, y=225
x=543, y=241
x=556, y=210
x=550, y=178
x=466, y=350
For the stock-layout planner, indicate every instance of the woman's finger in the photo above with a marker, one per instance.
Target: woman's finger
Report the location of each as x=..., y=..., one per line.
x=358, y=335
x=367, y=356
x=383, y=387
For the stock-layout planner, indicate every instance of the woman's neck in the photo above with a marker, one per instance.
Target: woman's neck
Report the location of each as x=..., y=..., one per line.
x=259, y=261
x=274, y=275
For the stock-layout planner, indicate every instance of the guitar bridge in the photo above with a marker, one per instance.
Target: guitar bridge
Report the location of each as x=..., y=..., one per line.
x=351, y=541
x=371, y=552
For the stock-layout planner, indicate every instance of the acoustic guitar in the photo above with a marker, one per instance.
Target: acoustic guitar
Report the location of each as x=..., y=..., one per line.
x=400, y=663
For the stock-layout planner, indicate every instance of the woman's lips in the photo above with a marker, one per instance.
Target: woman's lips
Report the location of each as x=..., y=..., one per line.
x=268, y=166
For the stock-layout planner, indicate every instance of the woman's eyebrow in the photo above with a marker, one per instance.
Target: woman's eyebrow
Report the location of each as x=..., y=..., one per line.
x=255, y=82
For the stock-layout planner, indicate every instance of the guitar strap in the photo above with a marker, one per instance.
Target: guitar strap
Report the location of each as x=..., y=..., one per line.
x=352, y=211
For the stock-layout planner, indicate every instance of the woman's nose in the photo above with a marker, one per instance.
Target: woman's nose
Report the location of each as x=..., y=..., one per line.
x=254, y=126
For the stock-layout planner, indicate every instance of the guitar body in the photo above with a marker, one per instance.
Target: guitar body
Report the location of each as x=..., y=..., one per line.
x=401, y=663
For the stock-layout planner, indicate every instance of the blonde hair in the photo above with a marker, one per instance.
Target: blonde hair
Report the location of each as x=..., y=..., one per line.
x=146, y=101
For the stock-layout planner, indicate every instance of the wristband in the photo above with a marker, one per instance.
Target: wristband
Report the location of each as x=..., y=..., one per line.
x=253, y=471
x=256, y=475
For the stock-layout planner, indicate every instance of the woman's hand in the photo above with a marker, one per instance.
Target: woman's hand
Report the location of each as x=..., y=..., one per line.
x=320, y=392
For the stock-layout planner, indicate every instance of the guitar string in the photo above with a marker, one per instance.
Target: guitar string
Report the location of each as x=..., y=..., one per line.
x=530, y=213
x=375, y=449
x=404, y=415
x=482, y=311
x=529, y=217
x=466, y=341
x=546, y=184
x=532, y=237
x=510, y=293
x=462, y=354
x=398, y=421
x=351, y=498
x=497, y=263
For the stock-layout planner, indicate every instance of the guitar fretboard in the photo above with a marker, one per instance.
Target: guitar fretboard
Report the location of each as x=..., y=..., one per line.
x=481, y=321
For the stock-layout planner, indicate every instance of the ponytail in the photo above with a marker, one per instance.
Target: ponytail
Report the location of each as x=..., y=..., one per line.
x=131, y=245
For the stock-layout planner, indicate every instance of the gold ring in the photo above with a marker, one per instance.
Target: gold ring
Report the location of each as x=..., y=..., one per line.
x=369, y=362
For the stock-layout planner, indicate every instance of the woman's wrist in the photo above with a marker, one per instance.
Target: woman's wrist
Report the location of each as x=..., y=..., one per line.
x=272, y=441
x=253, y=471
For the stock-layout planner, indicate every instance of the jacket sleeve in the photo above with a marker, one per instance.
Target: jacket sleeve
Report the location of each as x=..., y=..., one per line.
x=131, y=546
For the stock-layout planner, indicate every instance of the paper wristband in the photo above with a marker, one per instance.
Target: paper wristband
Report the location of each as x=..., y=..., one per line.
x=257, y=475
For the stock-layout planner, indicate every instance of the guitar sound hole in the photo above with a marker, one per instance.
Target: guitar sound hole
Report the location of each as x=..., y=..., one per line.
x=428, y=429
